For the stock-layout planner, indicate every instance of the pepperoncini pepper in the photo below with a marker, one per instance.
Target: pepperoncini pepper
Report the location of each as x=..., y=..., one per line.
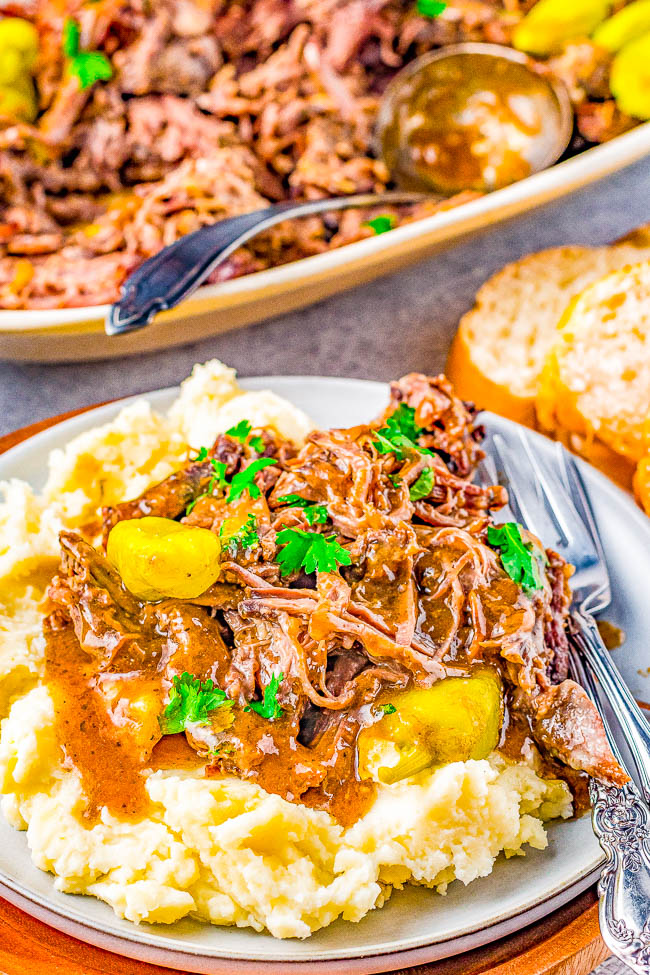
x=630, y=77
x=457, y=719
x=551, y=23
x=158, y=558
x=18, y=53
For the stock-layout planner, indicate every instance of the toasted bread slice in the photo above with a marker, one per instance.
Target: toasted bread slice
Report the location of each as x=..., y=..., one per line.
x=501, y=344
x=642, y=483
x=594, y=388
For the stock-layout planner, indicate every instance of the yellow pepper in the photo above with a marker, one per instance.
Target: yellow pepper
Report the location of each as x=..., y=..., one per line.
x=551, y=23
x=19, y=35
x=625, y=26
x=18, y=101
x=158, y=558
x=457, y=719
x=629, y=79
x=18, y=53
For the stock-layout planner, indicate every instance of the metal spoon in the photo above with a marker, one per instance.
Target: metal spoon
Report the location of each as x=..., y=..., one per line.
x=164, y=280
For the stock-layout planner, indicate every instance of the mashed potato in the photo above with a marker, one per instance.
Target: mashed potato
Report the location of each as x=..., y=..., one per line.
x=221, y=849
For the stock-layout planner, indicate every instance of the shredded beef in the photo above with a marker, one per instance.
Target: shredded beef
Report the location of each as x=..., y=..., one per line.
x=216, y=109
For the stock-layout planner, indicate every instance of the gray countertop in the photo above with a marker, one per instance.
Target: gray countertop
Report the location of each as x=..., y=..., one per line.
x=378, y=331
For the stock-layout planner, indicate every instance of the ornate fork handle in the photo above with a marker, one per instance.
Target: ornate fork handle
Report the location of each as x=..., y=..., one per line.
x=621, y=822
x=613, y=690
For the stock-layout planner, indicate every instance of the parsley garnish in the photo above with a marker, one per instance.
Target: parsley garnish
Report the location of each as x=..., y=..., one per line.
x=240, y=431
x=245, y=480
x=88, y=66
x=400, y=433
x=423, y=486
x=518, y=557
x=202, y=454
x=388, y=708
x=269, y=707
x=247, y=536
x=315, y=514
x=70, y=39
x=257, y=444
x=381, y=224
x=190, y=702
x=310, y=551
x=431, y=8
x=218, y=479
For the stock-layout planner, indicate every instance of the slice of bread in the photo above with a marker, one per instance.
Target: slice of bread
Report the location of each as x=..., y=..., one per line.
x=501, y=344
x=642, y=483
x=594, y=388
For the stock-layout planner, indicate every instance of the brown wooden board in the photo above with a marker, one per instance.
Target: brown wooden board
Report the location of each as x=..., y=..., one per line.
x=567, y=942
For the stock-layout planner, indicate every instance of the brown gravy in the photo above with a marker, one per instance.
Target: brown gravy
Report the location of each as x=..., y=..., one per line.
x=111, y=774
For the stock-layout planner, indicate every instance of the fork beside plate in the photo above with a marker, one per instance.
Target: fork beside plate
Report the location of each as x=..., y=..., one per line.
x=550, y=499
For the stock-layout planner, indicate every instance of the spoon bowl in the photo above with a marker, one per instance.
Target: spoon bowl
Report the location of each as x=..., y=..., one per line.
x=471, y=116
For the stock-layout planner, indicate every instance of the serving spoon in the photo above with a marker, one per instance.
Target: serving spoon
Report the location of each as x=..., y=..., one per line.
x=471, y=116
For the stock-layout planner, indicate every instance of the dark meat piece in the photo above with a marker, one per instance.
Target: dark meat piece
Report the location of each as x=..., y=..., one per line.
x=568, y=725
x=386, y=586
x=448, y=421
x=457, y=501
x=555, y=635
x=170, y=497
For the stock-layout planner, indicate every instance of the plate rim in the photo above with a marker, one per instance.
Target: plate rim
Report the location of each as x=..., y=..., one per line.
x=101, y=414
x=563, y=177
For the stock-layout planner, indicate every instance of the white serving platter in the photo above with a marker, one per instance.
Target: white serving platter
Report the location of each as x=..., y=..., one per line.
x=77, y=334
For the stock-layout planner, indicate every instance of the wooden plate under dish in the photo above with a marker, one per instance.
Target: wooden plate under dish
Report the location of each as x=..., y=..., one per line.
x=566, y=942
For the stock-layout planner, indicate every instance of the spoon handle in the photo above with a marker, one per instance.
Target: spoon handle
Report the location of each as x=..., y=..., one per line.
x=178, y=270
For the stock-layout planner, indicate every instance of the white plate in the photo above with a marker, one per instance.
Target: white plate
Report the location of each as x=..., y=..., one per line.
x=416, y=925
x=76, y=334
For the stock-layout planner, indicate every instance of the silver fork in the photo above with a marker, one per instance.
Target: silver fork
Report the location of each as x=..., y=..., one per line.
x=548, y=496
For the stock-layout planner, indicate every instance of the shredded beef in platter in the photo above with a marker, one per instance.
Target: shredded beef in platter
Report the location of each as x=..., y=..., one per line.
x=217, y=108
x=416, y=595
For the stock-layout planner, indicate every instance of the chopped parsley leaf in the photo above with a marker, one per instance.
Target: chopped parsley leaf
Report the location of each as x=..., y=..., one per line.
x=71, y=36
x=268, y=708
x=517, y=556
x=431, y=8
x=423, y=487
x=400, y=434
x=310, y=551
x=190, y=702
x=315, y=514
x=246, y=538
x=381, y=224
x=245, y=480
x=257, y=444
x=88, y=66
x=202, y=454
x=388, y=708
x=240, y=431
